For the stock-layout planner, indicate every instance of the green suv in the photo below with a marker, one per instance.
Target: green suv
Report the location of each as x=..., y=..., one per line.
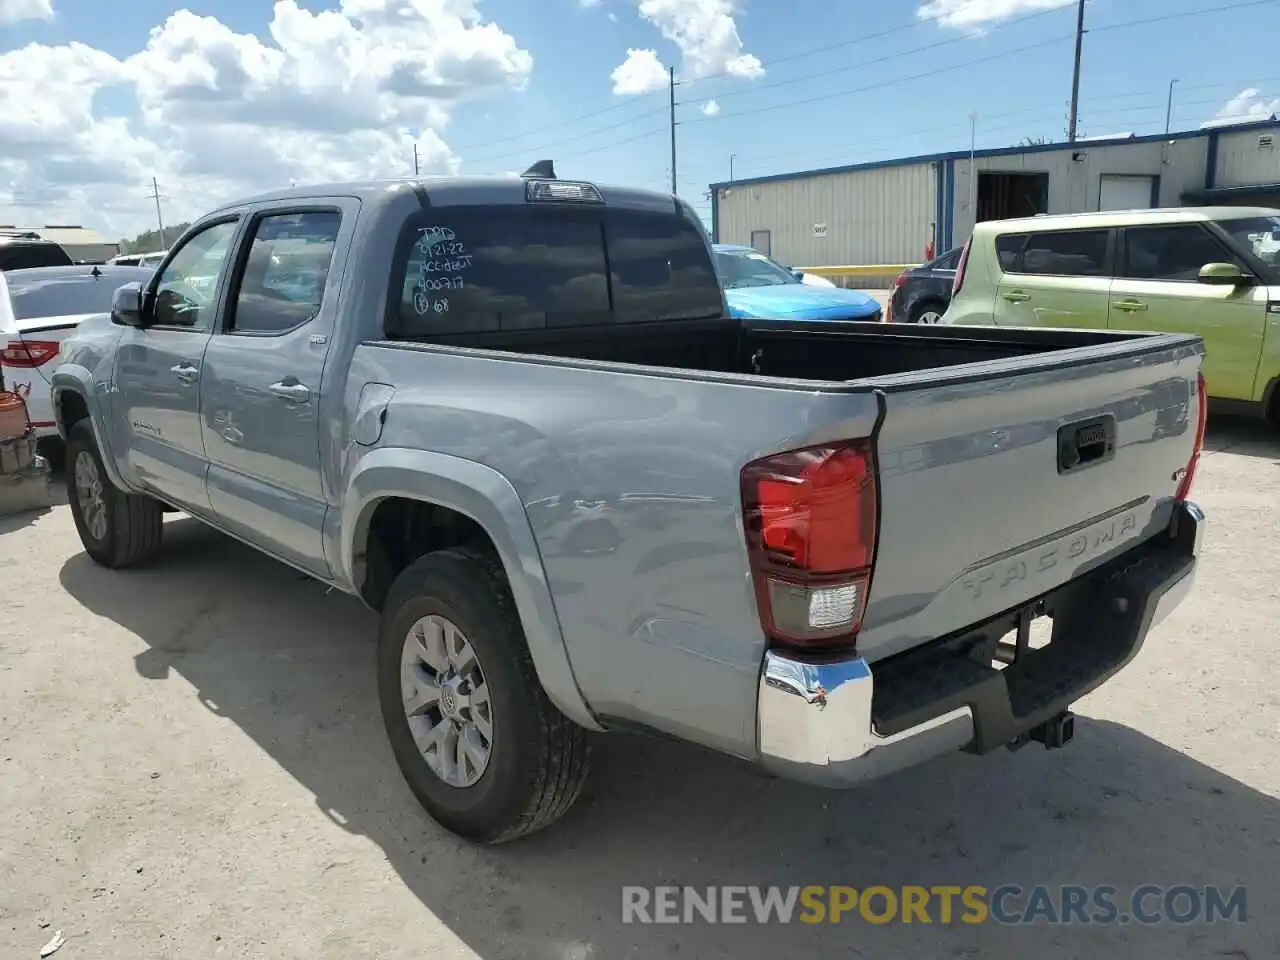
x=1211, y=271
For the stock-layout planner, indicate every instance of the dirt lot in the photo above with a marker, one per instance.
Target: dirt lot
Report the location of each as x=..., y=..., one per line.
x=192, y=765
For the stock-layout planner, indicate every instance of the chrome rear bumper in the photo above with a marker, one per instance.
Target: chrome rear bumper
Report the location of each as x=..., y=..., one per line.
x=817, y=719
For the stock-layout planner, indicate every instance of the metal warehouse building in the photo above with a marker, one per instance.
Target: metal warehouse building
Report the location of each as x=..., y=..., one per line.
x=895, y=211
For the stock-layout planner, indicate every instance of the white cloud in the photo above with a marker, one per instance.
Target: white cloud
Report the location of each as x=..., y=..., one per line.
x=15, y=11
x=641, y=72
x=1245, y=106
x=710, y=108
x=332, y=95
x=974, y=15
x=707, y=35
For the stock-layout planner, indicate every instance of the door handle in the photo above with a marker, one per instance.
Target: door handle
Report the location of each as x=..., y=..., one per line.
x=1016, y=296
x=1130, y=306
x=185, y=372
x=291, y=390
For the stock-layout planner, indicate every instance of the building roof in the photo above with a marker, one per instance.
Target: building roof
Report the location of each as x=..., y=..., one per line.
x=64, y=234
x=1217, y=130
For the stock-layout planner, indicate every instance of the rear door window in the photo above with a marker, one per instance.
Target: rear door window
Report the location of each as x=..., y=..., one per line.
x=483, y=270
x=1063, y=253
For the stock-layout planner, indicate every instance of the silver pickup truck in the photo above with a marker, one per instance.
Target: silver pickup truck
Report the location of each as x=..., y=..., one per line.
x=514, y=416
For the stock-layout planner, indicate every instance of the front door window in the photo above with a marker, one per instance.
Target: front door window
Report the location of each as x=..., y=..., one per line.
x=186, y=294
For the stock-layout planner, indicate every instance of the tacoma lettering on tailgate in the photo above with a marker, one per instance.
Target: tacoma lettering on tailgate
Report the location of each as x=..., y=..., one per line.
x=1008, y=571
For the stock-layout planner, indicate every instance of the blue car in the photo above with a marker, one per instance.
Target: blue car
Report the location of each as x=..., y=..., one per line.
x=757, y=288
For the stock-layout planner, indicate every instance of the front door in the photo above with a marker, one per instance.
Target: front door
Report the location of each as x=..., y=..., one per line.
x=1157, y=288
x=157, y=374
x=260, y=393
x=1053, y=279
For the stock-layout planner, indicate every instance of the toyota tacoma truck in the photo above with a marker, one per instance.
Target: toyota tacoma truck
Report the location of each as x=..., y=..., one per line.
x=514, y=416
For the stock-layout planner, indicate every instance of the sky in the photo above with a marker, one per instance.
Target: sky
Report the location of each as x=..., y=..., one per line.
x=220, y=100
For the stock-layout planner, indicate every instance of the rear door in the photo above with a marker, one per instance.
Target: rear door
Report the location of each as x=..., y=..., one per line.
x=979, y=512
x=1157, y=288
x=1058, y=278
x=260, y=386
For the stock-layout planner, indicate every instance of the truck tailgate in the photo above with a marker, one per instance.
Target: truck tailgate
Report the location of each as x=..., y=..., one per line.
x=1000, y=481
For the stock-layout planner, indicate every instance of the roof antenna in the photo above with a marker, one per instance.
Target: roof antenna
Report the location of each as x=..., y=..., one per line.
x=95, y=272
x=542, y=170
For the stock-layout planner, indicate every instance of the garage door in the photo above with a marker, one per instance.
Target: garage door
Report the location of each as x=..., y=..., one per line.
x=1125, y=193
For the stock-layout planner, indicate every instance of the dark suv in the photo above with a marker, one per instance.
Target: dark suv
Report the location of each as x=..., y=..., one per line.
x=22, y=249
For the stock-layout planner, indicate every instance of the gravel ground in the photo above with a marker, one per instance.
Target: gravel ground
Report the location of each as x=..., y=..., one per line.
x=192, y=765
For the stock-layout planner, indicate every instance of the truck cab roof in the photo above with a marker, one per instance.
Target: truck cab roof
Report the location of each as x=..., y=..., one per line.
x=451, y=191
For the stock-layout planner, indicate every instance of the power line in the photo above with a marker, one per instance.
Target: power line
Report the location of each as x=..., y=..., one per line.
x=653, y=131
x=861, y=64
x=867, y=38
x=882, y=84
x=559, y=123
x=853, y=41
x=980, y=60
x=525, y=151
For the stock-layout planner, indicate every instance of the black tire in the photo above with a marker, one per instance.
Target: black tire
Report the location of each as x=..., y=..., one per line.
x=133, y=522
x=923, y=307
x=538, y=760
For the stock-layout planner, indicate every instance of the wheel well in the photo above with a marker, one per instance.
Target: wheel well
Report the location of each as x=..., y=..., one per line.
x=71, y=410
x=402, y=530
x=922, y=304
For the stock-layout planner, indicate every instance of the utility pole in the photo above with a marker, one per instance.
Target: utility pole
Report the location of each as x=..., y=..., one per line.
x=1168, y=110
x=731, y=158
x=671, y=85
x=415, y=158
x=155, y=193
x=973, y=176
x=1075, y=76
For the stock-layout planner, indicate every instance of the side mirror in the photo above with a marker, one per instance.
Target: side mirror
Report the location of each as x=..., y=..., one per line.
x=798, y=274
x=126, y=305
x=1224, y=274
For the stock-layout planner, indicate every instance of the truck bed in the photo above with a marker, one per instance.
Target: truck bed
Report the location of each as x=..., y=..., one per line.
x=832, y=351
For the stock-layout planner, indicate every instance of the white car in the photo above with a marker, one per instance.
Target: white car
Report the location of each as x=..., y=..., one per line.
x=151, y=260
x=39, y=307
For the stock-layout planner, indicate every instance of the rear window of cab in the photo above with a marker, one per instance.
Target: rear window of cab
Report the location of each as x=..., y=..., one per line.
x=462, y=270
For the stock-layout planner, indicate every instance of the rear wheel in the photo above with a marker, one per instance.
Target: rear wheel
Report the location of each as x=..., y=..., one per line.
x=930, y=311
x=117, y=529
x=480, y=745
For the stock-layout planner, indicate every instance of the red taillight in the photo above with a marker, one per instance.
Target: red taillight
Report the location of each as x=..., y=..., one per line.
x=810, y=518
x=900, y=279
x=28, y=353
x=960, y=267
x=1202, y=416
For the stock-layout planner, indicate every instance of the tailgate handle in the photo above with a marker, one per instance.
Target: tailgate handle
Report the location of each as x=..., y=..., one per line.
x=1086, y=442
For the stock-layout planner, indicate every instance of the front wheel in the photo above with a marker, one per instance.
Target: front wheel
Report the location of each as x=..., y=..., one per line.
x=480, y=745
x=117, y=529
